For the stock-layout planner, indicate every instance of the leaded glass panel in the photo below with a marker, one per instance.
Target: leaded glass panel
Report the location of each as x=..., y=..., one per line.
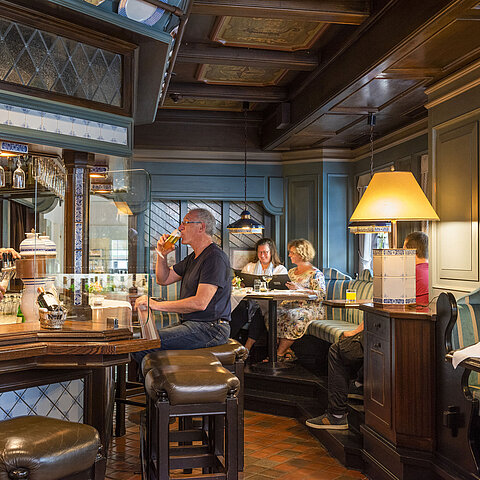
x=33, y=58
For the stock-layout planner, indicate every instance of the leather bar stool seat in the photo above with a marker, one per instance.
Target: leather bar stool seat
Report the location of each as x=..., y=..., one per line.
x=228, y=353
x=186, y=358
x=184, y=388
x=204, y=384
x=43, y=448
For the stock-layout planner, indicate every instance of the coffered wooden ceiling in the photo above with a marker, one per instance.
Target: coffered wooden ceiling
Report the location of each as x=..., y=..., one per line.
x=312, y=70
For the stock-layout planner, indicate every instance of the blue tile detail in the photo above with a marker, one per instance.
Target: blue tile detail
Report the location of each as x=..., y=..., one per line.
x=79, y=209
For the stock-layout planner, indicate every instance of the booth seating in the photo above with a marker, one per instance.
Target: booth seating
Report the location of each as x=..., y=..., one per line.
x=458, y=390
x=43, y=448
x=187, y=384
x=339, y=320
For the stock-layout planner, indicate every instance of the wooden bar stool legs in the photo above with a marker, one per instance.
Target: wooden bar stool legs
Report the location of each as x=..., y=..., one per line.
x=207, y=391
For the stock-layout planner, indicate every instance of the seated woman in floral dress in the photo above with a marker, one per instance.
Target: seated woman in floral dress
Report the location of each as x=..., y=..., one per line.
x=295, y=316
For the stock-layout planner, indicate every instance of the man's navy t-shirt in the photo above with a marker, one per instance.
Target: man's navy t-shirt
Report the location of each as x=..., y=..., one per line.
x=213, y=267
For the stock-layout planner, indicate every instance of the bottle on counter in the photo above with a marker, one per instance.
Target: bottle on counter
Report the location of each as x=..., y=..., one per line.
x=20, y=316
x=47, y=300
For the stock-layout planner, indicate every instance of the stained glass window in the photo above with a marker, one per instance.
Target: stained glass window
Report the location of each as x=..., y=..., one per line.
x=34, y=58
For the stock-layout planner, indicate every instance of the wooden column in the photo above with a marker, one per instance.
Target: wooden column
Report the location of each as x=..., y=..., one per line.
x=77, y=207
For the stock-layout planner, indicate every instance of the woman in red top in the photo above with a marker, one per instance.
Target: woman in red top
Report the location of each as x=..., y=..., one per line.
x=419, y=241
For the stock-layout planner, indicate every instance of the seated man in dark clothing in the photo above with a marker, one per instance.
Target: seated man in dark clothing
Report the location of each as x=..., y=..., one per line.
x=345, y=357
x=204, y=302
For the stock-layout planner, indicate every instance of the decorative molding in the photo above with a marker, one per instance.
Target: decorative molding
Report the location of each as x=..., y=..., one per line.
x=453, y=78
x=393, y=139
x=452, y=86
x=330, y=155
x=453, y=94
x=317, y=155
x=32, y=119
x=187, y=156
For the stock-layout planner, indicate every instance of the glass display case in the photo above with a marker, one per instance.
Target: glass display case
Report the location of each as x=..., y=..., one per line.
x=86, y=270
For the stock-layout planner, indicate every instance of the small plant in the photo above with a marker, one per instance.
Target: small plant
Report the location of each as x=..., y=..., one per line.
x=237, y=282
x=94, y=287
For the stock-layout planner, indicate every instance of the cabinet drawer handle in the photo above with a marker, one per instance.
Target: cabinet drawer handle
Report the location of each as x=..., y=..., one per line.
x=377, y=345
x=377, y=325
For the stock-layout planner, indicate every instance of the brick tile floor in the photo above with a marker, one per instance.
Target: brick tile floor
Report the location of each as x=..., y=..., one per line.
x=275, y=448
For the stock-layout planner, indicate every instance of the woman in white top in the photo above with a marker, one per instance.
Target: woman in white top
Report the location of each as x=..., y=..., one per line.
x=266, y=262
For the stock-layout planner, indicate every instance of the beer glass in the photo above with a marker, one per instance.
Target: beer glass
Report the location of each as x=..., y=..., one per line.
x=351, y=296
x=172, y=239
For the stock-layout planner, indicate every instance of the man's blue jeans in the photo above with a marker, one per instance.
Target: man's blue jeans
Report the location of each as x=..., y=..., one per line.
x=188, y=335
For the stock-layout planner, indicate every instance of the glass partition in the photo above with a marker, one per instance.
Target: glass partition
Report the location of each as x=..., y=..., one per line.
x=114, y=244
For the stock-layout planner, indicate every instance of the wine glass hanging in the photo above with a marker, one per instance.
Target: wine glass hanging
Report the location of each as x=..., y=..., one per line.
x=18, y=179
x=50, y=173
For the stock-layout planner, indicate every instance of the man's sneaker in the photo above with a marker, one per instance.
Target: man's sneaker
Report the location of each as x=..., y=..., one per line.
x=328, y=421
x=355, y=392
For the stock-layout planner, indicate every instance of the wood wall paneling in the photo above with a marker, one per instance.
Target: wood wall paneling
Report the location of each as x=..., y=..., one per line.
x=303, y=211
x=457, y=203
x=336, y=208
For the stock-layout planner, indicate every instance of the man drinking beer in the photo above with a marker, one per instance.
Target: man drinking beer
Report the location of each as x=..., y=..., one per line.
x=204, y=302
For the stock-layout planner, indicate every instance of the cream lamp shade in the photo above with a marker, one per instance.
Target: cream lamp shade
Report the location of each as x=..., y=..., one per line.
x=392, y=196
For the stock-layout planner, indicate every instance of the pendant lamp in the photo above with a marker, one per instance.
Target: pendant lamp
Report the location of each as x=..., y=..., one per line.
x=245, y=224
x=358, y=227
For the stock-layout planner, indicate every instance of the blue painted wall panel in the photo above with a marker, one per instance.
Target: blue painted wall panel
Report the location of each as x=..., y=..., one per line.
x=337, y=216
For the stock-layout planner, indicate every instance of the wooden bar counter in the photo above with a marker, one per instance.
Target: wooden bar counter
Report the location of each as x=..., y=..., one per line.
x=64, y=373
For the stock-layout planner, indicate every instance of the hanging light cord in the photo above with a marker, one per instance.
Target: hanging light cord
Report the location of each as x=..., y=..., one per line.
x=245, y=152
x=371, y=122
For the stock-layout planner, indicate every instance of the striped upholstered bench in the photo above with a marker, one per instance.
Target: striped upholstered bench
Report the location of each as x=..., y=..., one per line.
x=167, y=292
x=339, y=320
x=466, y=331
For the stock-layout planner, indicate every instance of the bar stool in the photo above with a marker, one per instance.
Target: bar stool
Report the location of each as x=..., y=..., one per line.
x=232, y=356
x=44, y=448
x=175, y=390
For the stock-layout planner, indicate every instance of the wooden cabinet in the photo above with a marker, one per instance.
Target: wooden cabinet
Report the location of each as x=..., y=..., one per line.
x=378, y=398
x=399, y=430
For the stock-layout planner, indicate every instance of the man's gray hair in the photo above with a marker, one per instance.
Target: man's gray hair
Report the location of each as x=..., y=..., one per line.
x=205, y=216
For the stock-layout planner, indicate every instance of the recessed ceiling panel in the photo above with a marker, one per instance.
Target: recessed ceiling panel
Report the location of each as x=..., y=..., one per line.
x=267, y=33
x=376, y=93
x=330, y=123
x=240, y=75
x=454, y=45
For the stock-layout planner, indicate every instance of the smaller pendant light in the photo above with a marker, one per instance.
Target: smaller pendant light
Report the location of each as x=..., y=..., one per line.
x=245, y=224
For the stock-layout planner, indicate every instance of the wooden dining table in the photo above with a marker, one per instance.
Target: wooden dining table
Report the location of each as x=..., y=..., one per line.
x=342, y=303
x=272, y=297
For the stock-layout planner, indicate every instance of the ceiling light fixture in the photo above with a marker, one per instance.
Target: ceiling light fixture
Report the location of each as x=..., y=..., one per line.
x=358, y=227
x=245, y=224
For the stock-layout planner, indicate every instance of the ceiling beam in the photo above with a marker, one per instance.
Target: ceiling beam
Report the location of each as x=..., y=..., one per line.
x=226, y=92
x=352, y=12
x=202, y=53
x=376, y=49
